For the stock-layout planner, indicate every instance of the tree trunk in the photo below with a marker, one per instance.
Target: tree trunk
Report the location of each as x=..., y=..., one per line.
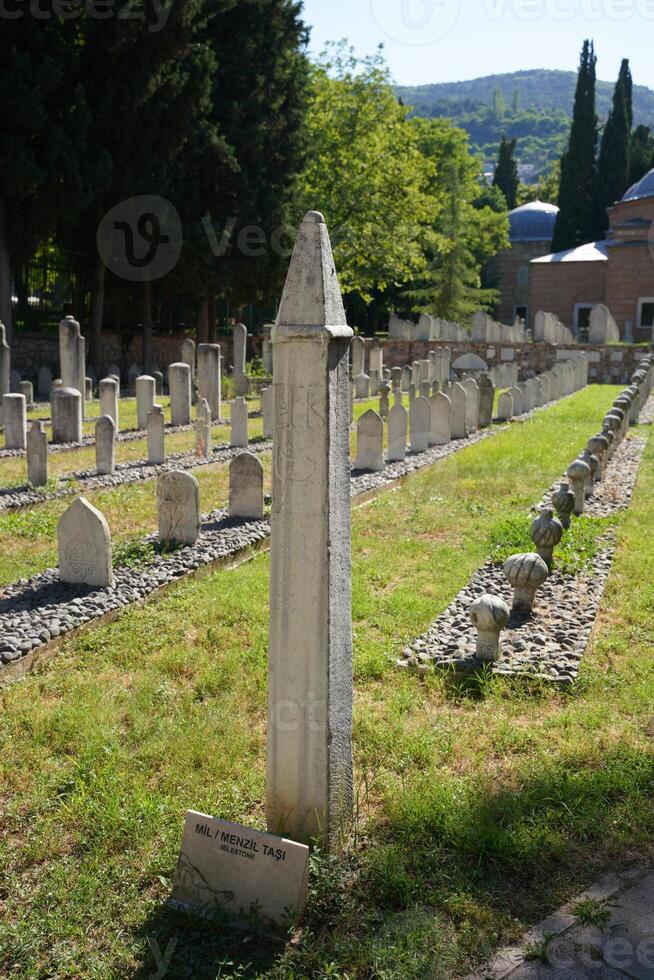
x=211, y=310
x=6, y=313
x=147, y=326
x=97, y=313
x=203, y=320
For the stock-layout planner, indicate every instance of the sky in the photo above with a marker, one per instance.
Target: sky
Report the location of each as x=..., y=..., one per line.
x=451, y=40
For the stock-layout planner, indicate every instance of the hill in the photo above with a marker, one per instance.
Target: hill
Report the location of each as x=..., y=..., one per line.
x=535, y=107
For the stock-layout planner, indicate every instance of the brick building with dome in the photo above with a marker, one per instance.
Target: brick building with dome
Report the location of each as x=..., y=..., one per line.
x=531, y=228
x=618, y=272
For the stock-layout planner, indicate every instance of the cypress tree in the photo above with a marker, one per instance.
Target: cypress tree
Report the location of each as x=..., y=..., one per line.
x=576, y=222
x=506, y=173
x=642, y=153
x=614, y=160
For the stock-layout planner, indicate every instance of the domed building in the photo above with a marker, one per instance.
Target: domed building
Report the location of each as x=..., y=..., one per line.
x=531, y=228
x=618, y=272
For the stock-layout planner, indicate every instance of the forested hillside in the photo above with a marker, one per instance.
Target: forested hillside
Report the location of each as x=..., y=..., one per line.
x=533, y=107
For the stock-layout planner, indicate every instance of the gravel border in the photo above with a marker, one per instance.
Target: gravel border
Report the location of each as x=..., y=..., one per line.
x=551, y=644
x=88, y=441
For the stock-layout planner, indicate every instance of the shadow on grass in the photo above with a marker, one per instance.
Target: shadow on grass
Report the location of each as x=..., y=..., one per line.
x=479, y=861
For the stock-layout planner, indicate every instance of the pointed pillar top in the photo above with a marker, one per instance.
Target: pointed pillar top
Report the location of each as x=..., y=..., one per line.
x=312, y=302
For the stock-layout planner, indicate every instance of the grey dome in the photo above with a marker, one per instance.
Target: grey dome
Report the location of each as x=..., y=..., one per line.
x=644, y=188
x=533, y=222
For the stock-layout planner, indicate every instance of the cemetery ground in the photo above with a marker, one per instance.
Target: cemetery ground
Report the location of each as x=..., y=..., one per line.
x=480, y=806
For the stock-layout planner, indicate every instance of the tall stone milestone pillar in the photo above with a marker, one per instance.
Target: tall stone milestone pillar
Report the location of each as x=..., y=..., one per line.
x=72, y=355
x=5, y=367
x=309, y=770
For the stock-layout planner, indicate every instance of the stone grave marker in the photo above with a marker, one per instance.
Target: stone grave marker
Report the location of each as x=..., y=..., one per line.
x=358, y=354
x=109, y=392
x=241, y=383
x=178, y=508
x=486, y=401
x=203, y=429
x=27, y=389
x=145, y=395
x=249, y=877
x=66, y=415
x=398, y=424
x=209, y=380
x=156, y=436
x=420, y=421
x=240, y=438
x=457, y=396
x=246, y=487
x=440, y=433
x=15, y=420
x=505, y=407
x=267, y=410
x=72, y=356
x=37, y=454
x=84, y=545
x=370, y=442
x=471, y=389
x=105, y=446
x=362, y=386
x=179, y=383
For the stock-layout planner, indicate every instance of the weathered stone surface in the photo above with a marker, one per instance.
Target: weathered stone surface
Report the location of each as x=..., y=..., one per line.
x=362, y=386
x=37, y=455
x=84, y=545
x=471, y=389
x=158, y=382
x=209, y=380
x=457, y=396
x=440, y=432
x=370, y=442
x=109, y=395
x=178, y=508
x=72, y=357
x=546, y=533
x=203, y=429
x=486, y=401
x=66, y=415
x=490, y=615
x=268, y=411
x=179, y=384
x=187, y=354
x=517, y=398
x=505, y=407
x=156, y=436
x=398, y=422
x=564, y=503
x=358, y=355
x=420, y=423
x=105, y=446
x=27, y=391
x=241, y=382
x=145, y=395
x=309, y=785
x=578, y=474
x=14, y=410
x=240, y=438
x=384, y=399
x=525, y=573
x=246, y=487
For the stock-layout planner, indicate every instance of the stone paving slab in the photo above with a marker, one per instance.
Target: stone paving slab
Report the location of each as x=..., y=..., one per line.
x=623, y=946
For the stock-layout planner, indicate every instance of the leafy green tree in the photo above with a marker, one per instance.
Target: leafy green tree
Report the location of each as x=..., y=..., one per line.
x=576, y=222
x=506, y=172
x=470, y=225
x=641, y=154
x=365, y=172
x=43, y=122
x=614, y=160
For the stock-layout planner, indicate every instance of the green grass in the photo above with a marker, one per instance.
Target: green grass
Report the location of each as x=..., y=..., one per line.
x=477, y=811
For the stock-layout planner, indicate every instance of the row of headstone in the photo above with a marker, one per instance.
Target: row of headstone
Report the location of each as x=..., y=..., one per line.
x=602, y=328
x=564, y=378
x=434, y=418
x=84, y=539
x=548, y=329
x=486, y=330
x=427, y=328
x=435, y=369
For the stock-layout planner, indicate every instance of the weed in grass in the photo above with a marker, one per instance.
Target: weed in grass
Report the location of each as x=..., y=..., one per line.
x=29, y=523
x=134, y=552
x=580, y=544
x=538, y=951
x=592, y=912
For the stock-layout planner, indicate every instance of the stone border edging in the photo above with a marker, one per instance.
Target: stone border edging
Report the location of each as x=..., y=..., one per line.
x=551, y=644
